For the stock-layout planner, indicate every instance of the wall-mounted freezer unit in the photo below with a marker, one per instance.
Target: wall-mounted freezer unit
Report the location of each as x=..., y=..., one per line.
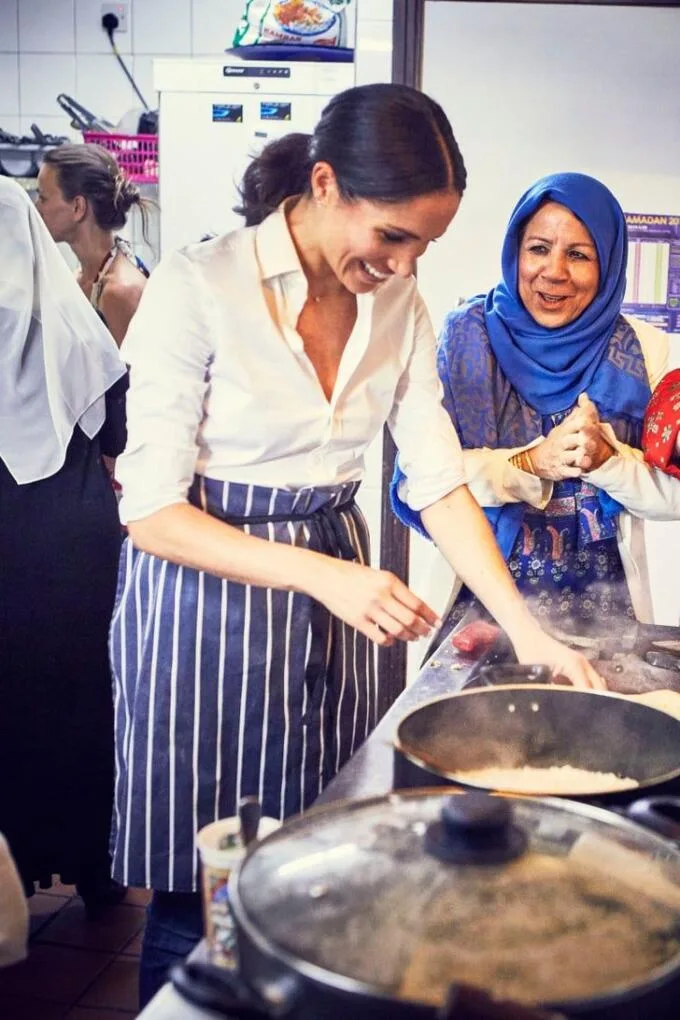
x=214, y=116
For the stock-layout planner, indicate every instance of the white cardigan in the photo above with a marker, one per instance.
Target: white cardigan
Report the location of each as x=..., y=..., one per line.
x=644, y=491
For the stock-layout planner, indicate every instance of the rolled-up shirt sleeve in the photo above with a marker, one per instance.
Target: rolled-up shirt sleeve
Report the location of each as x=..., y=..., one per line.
x=430, y=456
x=168, y=347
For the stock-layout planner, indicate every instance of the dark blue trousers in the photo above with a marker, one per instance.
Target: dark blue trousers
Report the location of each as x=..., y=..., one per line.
x=174, y=926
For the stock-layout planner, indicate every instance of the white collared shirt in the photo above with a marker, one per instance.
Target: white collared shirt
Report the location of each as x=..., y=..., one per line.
x=220, y=384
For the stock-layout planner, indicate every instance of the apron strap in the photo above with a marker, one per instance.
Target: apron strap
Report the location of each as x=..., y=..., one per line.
x=333, y=540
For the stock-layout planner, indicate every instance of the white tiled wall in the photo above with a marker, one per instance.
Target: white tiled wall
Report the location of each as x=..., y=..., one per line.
x=52, y=46
x=9, y=84
x=47, y=27
x=9, y=30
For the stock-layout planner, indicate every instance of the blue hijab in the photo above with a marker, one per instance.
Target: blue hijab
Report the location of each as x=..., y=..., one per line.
x=504, y=375
x=550, y=367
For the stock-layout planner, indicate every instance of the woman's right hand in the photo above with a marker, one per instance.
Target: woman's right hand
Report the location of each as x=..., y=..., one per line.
x=559, y=455
x=375, y=602
x=534, y=645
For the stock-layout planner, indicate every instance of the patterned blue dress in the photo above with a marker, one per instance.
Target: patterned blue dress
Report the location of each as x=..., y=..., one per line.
x=565, y=559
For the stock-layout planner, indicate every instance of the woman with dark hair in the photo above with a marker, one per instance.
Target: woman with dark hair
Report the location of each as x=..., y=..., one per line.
x=59, y=546
x=84, y=198
x=546, y=383
x=263, y=364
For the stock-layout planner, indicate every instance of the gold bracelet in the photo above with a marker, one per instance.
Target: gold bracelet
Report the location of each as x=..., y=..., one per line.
x=523, y=462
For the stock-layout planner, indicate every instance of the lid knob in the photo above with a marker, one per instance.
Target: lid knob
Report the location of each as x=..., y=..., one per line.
x=475, y=828
x=477, y=812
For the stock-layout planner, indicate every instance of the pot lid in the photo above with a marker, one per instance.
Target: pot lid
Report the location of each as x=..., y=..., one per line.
x=405, y=895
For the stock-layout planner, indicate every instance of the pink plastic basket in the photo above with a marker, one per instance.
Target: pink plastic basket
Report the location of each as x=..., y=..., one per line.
x=137, y=155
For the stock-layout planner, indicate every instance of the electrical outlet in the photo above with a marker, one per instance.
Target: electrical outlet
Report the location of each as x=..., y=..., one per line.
x=120, y=9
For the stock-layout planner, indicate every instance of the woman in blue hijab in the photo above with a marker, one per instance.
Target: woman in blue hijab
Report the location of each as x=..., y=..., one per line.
x=547, y=384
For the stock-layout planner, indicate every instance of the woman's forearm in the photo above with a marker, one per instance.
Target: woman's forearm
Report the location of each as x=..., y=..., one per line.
x=183, y=534
x=461, y=531
x=645, y=491
x=494, y=480
x=374, y=601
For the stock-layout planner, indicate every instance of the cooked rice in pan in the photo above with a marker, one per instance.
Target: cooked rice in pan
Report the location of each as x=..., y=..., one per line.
x=556, y=779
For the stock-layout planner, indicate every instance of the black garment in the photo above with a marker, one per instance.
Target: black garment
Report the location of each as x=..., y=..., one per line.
x=59, y=548
x=113, y=433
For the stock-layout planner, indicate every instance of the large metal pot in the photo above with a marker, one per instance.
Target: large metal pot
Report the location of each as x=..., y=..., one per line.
x=400, y=907
x=542, y=726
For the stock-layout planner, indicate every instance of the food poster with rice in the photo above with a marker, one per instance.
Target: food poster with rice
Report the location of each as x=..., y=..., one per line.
x=329, y=23
x=653, y=272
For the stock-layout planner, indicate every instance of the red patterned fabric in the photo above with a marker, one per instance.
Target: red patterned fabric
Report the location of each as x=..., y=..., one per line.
x=662, y=425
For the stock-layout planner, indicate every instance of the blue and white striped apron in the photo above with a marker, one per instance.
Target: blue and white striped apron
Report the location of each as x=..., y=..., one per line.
x=224, y=690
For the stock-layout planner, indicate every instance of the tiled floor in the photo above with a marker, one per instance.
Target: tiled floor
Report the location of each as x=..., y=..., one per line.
x=76, y=969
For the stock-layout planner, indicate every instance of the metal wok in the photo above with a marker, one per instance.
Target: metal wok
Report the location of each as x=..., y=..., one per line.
x=542, y=726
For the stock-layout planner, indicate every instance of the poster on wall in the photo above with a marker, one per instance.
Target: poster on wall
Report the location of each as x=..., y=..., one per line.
x=653, y=274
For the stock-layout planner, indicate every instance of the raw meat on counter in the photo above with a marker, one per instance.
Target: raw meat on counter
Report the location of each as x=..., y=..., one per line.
x=476, y=638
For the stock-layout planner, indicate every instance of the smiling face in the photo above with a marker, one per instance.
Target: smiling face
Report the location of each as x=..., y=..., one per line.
x=558, y=271
x=366, y=242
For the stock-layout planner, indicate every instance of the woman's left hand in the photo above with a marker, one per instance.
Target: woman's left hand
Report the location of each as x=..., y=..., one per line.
x=592, y=449
x=539, y=647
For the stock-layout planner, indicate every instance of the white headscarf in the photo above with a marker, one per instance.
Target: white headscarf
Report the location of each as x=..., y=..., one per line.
x=57, y=359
